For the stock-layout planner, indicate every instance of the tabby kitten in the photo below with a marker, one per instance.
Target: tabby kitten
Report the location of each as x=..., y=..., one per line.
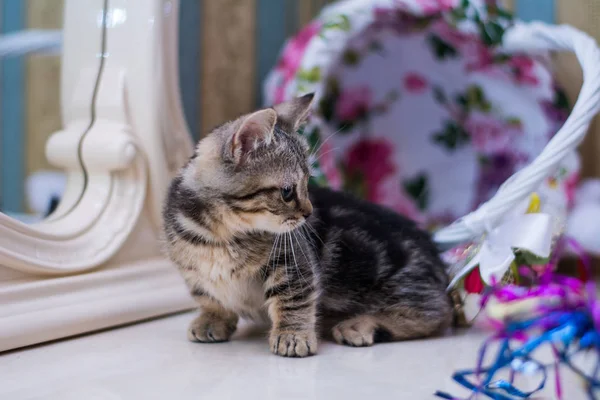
x=253, y=240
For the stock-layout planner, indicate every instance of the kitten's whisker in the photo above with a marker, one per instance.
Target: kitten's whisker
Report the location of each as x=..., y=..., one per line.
x=275, y=241
x=307, y=235
x=286, y=267
x=299, y=233
x=272, y=247
x=276, y=261
x=314, y=231
x=296, y=261
x=323, y=154
x=293, y=253
x=308, y=261
x=325, y=141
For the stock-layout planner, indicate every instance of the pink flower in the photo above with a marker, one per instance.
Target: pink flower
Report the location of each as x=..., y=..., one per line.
x=414, y=83
x=490, y=134
x=353, y=103
x=523, y=70
x=480, y=58
x=495, y=171
x=555, y=115
x=435, y=6
x=291, y=57
x=390, y=194
x=451, y=34
x=328, y=167
x=571, y=188
x=372, y=158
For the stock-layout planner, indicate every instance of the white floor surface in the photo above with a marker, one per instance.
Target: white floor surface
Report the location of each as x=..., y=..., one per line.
x=153, y=360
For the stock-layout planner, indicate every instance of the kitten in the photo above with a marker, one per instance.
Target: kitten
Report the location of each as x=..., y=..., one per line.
x=253, y=240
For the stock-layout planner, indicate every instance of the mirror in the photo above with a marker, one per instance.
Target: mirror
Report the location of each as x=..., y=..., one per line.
x=30, y=108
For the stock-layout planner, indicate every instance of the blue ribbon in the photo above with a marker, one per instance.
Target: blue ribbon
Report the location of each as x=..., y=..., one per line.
x=573, y=331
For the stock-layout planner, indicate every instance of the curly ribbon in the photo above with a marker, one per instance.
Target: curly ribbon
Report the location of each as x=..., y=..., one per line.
x=567, y=313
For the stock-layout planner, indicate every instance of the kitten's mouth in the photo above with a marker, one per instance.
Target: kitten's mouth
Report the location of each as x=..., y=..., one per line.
x=292, y=223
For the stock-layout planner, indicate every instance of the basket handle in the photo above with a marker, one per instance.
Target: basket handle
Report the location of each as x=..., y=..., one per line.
x=531, y=37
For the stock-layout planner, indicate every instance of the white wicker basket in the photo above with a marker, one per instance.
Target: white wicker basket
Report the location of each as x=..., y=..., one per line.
x=318, y=51
x=533, y=37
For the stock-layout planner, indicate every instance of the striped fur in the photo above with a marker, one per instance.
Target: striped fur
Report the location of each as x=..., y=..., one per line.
x=247, y=248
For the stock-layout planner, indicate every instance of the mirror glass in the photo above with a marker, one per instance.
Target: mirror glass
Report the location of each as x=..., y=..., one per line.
x=30, y=111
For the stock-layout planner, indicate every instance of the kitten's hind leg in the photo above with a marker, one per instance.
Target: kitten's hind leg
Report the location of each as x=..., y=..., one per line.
x=405, y=323
x=357, y=332
x=390, y=325
x=215, y=323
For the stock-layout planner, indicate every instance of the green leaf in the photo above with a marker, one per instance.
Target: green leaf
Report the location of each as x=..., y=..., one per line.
x=329, y=99
x=476, y=99
x=345, y=126
x=501, y=58
x=475, y=94
x=462, y=100
x=560, y=100
x=333, y=87
x=484, y=160
x=376, y=47
x=562, y=172
x=313, y=137
x=327, y=107
x=458, y=14
x=523, y=257
x=439, y=95
x=351, y=57
x=354, y=182
x=418, y=189
x=392, y=96
x=318, y=180
x=312, y=75
x=441, y=49
x=344, y=24
x=422, y=23
x=452, y=137
x=514, y=121
x=491, y=33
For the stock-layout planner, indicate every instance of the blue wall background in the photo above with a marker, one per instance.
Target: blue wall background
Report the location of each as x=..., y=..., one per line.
x=12, y=165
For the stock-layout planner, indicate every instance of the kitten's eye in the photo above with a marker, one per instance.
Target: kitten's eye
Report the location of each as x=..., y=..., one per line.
x=287, y=193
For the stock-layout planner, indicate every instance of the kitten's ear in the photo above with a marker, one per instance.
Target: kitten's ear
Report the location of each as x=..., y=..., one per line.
x=256, y=128
x=293, y=113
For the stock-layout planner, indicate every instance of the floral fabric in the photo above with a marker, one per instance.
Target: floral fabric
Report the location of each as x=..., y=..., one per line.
x=419, y=108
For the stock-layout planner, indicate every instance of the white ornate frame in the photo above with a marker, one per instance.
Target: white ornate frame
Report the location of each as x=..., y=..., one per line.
x=97, y=262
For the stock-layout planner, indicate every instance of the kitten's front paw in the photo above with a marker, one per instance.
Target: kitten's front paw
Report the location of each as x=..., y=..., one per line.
x=208, y=328
x=293, y=344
